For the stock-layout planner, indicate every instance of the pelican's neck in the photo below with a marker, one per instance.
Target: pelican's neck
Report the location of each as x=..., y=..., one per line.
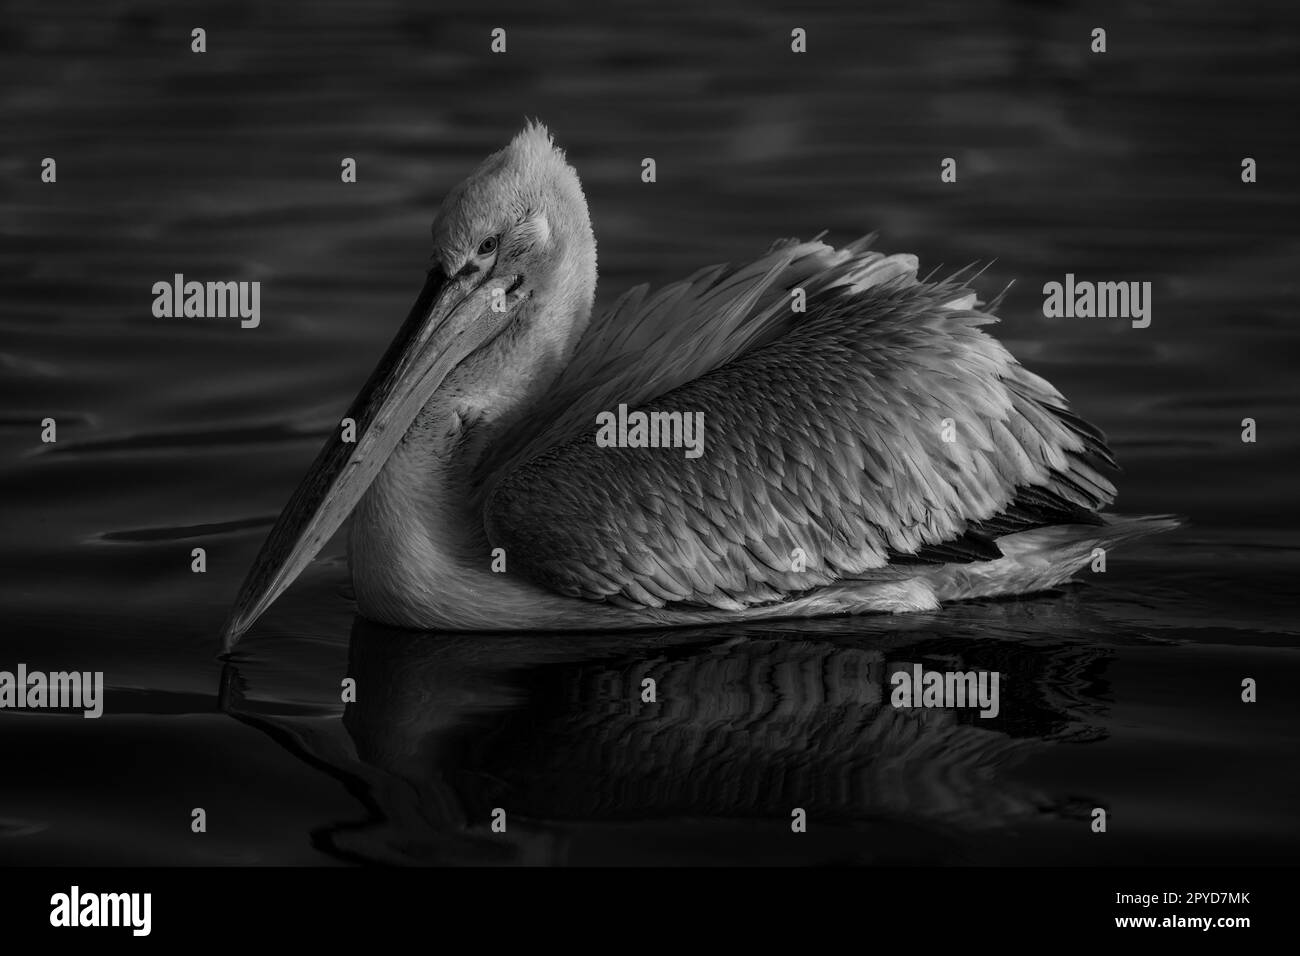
x=416, y=537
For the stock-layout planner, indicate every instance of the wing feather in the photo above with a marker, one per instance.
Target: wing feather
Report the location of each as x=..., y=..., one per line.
x=826, y=433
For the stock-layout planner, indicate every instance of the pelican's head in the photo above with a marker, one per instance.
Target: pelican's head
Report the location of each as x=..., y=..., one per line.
x=519, y=224
x=514, y=235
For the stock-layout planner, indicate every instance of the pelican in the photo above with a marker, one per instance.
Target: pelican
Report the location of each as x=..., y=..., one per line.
x=868, y=446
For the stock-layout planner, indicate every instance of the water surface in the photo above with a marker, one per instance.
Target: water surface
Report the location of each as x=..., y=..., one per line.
x=1121, y=691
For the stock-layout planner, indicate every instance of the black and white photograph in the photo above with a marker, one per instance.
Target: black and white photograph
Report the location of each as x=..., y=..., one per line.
x=667, y=443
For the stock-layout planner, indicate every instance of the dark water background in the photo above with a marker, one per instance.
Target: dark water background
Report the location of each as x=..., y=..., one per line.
x=1121, y=691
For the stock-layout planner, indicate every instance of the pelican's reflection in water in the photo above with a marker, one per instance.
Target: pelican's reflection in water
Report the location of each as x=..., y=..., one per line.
x=747, y=726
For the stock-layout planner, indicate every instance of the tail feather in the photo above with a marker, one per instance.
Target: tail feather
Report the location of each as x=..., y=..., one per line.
x=1043, y=558
x=1127, y=527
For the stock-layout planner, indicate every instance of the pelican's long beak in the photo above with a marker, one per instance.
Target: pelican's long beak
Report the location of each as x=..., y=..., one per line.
x=444, y=326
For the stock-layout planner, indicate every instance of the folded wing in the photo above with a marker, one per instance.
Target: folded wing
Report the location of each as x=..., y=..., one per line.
x=879, y=428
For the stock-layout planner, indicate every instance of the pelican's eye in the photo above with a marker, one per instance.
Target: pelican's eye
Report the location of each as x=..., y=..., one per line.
x=487, y=246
